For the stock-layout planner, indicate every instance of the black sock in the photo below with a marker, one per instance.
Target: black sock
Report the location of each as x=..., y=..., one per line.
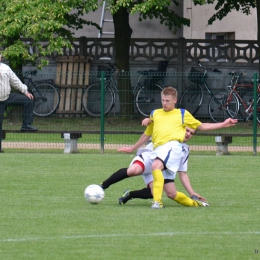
x=145, y=193
x=115, y=177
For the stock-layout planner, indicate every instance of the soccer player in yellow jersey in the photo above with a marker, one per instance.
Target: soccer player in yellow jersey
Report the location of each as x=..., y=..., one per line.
x=167, y=129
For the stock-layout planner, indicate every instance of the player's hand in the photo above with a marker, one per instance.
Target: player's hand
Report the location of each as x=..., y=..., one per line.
x=125, y=149
x=200, y=197
x=146, y=122
x=230, y=122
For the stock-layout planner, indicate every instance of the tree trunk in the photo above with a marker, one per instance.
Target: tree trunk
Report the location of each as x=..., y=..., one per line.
x=123, y=34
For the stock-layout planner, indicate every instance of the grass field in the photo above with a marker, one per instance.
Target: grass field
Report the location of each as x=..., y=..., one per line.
x=44, y=214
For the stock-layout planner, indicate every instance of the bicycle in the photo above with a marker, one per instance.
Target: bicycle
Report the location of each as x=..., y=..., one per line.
x=193, y=96
x=46, y=94
x=146, y=93
x=237, y=100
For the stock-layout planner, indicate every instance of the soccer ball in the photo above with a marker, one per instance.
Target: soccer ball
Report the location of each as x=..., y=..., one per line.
x=94, y=194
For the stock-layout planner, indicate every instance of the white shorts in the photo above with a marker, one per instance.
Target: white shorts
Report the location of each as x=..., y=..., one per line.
x=147, y=174
x=166, y=175
x=146, y=160
x=170, y=154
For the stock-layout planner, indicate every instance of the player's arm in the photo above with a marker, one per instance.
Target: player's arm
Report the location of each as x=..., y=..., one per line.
x=214, y=126
x=142, y=140
x=185, y=180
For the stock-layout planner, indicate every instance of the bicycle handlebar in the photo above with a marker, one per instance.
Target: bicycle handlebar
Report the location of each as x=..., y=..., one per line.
x=112, y=65
x=235, y=73
x=30, y=73
x=211, y=69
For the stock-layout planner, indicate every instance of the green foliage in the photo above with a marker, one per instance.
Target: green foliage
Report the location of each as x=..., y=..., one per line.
x=55, y=21
x=38, y=20
x=224, y=7
x=163, y=10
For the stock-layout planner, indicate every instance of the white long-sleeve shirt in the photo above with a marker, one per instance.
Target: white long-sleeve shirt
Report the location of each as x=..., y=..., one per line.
x=8, y=79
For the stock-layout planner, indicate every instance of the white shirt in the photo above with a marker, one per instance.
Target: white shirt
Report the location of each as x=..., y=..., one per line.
x=8, y=79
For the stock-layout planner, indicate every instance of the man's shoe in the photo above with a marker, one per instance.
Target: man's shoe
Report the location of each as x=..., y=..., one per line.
x=201, y=203
x=28, y=127
x=125, y=197
x=157, y=205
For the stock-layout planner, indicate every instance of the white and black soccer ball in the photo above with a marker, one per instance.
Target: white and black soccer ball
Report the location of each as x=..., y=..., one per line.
x=94, y=194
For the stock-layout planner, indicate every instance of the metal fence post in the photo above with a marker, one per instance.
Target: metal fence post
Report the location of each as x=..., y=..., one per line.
x=255, y=112
x=102, y=117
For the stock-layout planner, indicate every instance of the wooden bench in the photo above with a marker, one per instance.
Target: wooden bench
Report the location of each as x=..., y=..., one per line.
x=72, y=76
x=70, y=137
x=223, y=140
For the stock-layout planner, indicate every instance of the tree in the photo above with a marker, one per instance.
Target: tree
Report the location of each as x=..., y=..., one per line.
x=164, y=10
x=53, y=20
x=38, y=20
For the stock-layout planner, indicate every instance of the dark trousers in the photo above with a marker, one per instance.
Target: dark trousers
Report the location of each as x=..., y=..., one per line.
x=17, y=99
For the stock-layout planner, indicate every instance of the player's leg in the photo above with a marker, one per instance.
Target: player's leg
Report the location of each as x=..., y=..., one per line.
x=179, y=197
x=167, y=156
x=144, y=193
x=115, y=177
x=136, y=168
x=157, y=168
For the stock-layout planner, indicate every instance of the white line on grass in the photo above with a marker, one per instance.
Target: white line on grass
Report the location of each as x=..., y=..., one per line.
x=128, y=235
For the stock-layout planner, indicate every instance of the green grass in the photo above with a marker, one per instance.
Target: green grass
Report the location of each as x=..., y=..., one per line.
x=45, y=216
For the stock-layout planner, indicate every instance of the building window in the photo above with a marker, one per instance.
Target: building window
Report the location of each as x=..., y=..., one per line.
x=218, y=50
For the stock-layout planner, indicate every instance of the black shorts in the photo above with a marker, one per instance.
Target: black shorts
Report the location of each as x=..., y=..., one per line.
x=168, y=181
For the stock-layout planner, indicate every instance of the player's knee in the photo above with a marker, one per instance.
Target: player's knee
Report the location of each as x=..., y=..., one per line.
x=171, y=195
x=134, y=170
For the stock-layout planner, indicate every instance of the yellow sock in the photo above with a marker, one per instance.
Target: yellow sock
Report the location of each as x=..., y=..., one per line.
x=181, y=198
x=158, y=182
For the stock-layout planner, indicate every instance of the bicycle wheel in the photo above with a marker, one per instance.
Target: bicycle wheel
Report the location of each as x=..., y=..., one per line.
x=258, y=109
x=192, y=98
x=148, y=98
x=223, y=105
x=248, y=97
x=46, y=99
x=91, y=99
x=246, y=107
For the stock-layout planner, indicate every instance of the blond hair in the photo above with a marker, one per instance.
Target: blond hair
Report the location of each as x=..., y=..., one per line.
x=170, y=91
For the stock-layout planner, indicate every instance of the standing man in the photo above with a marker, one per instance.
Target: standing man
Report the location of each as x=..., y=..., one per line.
x=8, y=79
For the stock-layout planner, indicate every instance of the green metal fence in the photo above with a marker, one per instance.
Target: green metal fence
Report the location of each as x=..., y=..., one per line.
x=121, y=100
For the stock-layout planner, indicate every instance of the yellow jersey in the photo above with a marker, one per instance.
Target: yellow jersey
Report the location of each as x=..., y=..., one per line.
x=170, y=126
